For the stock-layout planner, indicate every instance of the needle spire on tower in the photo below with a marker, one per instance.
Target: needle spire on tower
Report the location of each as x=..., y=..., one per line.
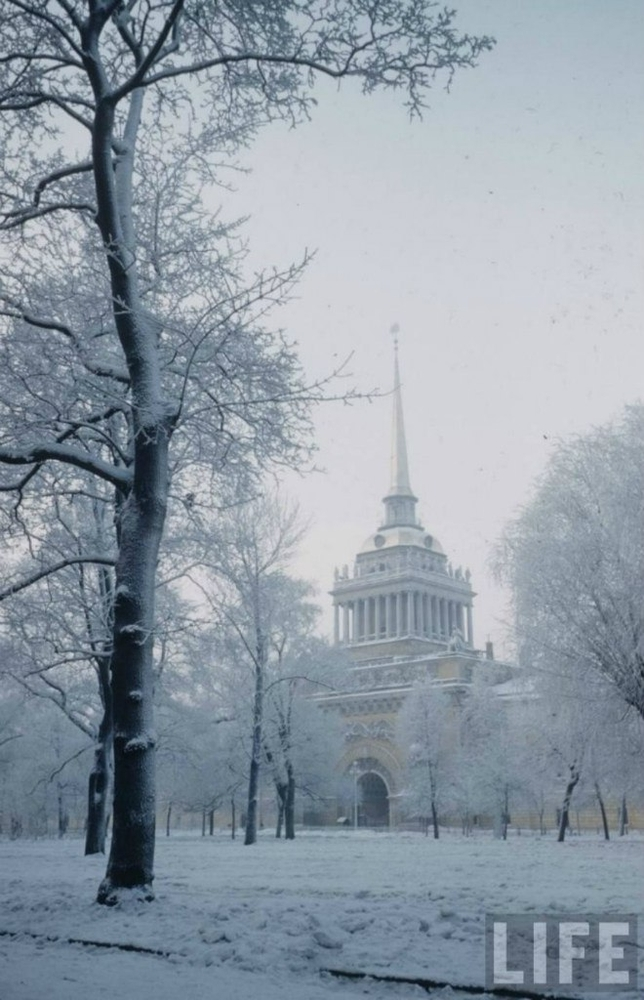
x=400, y=501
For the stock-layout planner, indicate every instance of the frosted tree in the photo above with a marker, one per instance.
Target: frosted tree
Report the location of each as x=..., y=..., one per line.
x=248, y=550
x=59, y=627
x=487, y=753
x=426, y=731
x=90, y=90
x=574, y=559
x=298, y=737
x=42, y=767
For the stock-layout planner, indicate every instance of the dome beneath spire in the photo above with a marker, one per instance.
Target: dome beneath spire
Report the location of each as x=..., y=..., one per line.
x=395, y=535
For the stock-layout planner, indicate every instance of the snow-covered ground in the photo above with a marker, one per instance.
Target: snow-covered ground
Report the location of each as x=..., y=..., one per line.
x=261, y=922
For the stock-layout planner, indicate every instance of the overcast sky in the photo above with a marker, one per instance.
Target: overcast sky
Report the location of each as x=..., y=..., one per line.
x=503, y=233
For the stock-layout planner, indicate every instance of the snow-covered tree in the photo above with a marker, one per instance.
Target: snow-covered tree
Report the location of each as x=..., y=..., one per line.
x=574, y=559
x=89, y=92
x=263, y=651
x=248, y=550
x=426, y=729
x=298, y=738
x=59, y=630
x=487, y=755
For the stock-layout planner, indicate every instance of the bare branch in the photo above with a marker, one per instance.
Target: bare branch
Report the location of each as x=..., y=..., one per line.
x=55, y=568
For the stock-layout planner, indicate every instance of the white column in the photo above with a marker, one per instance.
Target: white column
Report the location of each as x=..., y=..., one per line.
x=410, y=611
x=430, y=617
x=345, y=623
x=443, y=617
x=398, y=613
x=470, y=634
x=376, y=616
x=336, y=624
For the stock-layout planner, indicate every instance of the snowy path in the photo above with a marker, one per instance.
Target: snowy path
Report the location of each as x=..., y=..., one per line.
x=262, y=921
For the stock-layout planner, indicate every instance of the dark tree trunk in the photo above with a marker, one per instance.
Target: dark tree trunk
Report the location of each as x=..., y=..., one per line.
x=232, y=814
x=203, y=822
x=280, y=816
x=505, y=819
x=211, y=822
x=602, y=809
x=99, y=793
x=250, y=836
x=435, y=821
x=168, y=817
x=63, y=815
x=141, y=504
x=289, y=805
x=564, y=818
x=131, y=861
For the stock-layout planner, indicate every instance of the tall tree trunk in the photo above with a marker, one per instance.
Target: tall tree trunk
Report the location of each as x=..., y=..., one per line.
x=435, y=820
x=250, y=836
x=141, y=505
x=168, y=817
x=289, y=805
x=602, y=809
x=280, y=816
x=505, y=819
x=63, y=816
x=99, y=794
x=131, y=861
x=211, y=822
x=564, y=820
x=233, y=818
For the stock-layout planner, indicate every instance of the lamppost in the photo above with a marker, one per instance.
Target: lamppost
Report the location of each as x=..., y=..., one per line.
x=355, y=771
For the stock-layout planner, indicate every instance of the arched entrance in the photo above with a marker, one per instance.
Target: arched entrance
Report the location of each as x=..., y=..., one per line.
x=373, y=801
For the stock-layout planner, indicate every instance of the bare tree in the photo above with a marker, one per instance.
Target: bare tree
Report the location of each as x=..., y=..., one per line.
x=60, y=631
x=85, y=91
x=250, y=547
x=296, y=733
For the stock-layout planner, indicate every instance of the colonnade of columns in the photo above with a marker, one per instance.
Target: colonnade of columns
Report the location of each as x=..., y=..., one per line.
x=407, y=612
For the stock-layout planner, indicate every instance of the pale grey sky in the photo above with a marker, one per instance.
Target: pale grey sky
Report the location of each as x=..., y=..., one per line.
x=504, y=234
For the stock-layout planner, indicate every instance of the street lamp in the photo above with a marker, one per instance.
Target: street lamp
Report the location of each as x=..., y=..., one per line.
x=355, y=771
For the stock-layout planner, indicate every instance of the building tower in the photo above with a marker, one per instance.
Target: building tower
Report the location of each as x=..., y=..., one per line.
x=404, y=598
x=403, y=616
